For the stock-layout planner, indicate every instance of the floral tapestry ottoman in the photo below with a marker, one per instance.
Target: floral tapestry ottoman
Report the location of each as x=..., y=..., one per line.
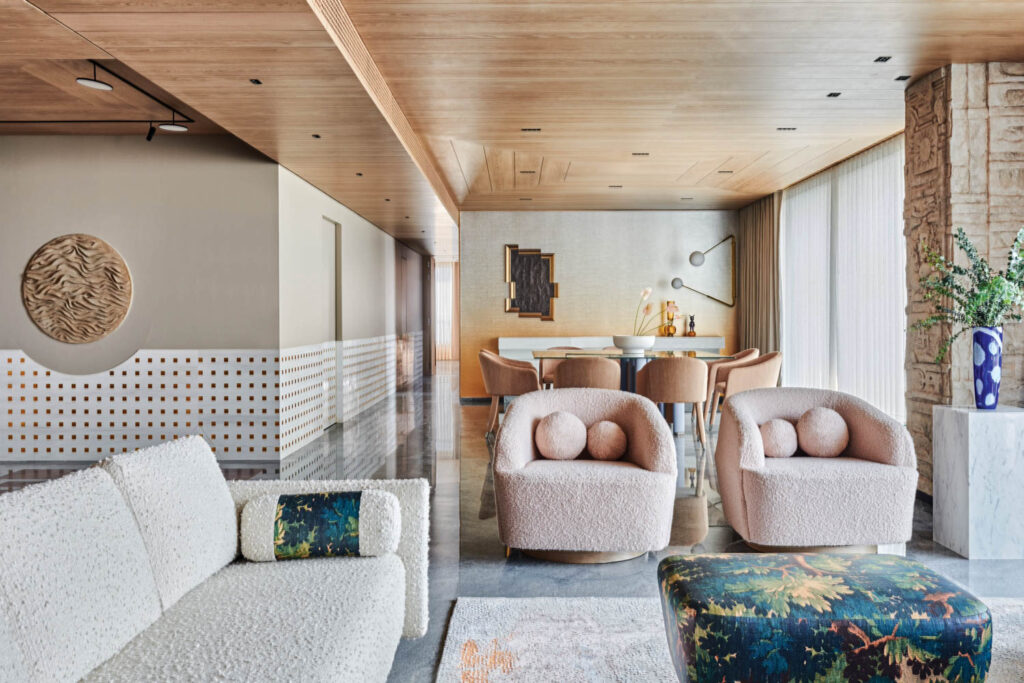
x=817, y=617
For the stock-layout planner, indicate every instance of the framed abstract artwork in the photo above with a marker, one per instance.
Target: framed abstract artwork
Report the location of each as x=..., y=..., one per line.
x=532, y=289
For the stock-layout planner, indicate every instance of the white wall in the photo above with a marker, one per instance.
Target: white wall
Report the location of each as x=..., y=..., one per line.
x=603, y=259
x=195, y=218
x=307, y=268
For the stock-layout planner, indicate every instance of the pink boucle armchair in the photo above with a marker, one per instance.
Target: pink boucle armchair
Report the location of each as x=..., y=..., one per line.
x=863, y=497
x=585, y=505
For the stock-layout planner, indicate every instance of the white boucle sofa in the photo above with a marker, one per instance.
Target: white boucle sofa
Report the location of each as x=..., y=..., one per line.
x=129, y=571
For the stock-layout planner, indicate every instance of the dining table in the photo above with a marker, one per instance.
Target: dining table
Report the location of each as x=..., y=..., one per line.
x=630, y=363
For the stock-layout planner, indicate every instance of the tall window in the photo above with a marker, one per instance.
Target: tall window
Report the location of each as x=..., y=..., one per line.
x=444, y=314
x=843, y=287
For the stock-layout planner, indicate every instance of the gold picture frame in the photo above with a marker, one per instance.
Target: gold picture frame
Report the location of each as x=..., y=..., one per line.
x=532, y=290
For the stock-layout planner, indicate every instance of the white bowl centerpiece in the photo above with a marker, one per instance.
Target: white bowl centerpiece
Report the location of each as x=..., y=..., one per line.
x=645, y=320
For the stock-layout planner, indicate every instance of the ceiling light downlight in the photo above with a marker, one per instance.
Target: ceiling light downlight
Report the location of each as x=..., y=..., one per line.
x=174, y=126
x=94, y=82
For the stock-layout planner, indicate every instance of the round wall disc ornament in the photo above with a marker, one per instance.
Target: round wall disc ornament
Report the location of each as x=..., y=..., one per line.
x=77, y=289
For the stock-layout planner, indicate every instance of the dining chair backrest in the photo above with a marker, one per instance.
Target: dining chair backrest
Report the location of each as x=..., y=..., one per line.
x=506, y=377
x=762, y=373
x=673, y=380
x=593, y=373
x=548, y=365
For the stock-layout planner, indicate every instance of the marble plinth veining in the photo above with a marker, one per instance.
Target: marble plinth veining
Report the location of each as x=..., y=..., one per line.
x=978, y=481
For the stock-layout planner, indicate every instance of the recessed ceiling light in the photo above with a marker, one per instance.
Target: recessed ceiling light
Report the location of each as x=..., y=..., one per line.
x=725, y=171
x=406, y=218
x=527, y=171
x=786, y=128
x=834, y=94
x=255, y=81
x=358, y=173
x=94, y=82
x=884, y=58
x=641, y=154
x=615, y=187
x=173, y=127
x=530, y=130
x=526, y=199
x=904, y=77
x=686, y=199
x=387, y=199
x=316, y=136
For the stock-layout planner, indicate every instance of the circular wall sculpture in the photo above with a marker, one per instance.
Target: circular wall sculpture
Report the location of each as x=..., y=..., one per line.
x=77, y=289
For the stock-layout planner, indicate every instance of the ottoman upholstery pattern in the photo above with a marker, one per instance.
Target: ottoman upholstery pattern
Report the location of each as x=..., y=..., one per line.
x=820, y=618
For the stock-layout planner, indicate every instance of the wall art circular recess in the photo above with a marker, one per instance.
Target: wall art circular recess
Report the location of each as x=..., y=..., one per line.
x=77, y=289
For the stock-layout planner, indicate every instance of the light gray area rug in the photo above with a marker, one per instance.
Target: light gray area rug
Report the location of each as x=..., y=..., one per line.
x=1007, y=639
x=494, y=640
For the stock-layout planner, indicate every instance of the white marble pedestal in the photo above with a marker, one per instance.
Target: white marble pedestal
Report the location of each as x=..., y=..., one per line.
x=978, y=481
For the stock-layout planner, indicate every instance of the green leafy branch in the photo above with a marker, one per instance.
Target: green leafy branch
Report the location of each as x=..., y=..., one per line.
x=978, y=296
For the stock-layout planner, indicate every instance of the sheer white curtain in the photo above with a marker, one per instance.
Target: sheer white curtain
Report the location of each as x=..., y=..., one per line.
x=444, y=318
x=805, y=275
x=870, y=277
x=843, y=287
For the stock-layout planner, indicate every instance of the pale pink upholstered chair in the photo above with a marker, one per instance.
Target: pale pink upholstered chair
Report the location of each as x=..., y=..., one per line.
x=863, y=497
x=505, y=377
x=718, y=370
x=761, y=372
x=676, y=380
x=548, y=365
x=585, y=505
x=592, y=373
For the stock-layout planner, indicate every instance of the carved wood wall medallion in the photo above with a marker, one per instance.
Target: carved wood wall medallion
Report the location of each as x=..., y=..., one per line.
x=532, y=289
x=77, y=289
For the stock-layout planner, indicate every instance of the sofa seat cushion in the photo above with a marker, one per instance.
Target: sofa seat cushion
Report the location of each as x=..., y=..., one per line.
x=805, y=501
x=329, y=619
x=75, y=580
x=586, y=505
x=184, y=511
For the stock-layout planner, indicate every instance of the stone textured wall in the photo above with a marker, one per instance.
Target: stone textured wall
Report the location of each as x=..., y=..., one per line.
x=965, y=168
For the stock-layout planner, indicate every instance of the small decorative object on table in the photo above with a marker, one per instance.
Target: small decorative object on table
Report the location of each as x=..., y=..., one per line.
x=980, y=298
x=693, y=331
x=670, y=317
x=644, y=322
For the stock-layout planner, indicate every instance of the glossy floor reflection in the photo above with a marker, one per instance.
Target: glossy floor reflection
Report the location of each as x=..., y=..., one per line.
x=424, y=432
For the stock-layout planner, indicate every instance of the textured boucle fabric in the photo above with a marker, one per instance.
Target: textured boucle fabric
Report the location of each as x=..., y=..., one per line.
x=822, y=433
x=779, y=438
x=75, y=580
x=561, y=436
x=874, y=438
x=606, y=441
x=380, y=526
x=327, y=619
x=414, y=501
x=184, y=511
x=585, y=504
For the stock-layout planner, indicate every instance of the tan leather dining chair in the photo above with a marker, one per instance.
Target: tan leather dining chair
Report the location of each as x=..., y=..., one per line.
x=758, y=373
x=505, y=377
x=676, y=380
x=718, y=370
x=548, y=365
x=592, y=373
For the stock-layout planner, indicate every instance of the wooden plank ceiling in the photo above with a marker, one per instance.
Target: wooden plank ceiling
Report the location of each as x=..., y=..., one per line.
x=205, y=53
x=660, y=104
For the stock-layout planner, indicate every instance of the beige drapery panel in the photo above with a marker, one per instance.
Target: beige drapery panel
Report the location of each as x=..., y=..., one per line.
x=758, y=274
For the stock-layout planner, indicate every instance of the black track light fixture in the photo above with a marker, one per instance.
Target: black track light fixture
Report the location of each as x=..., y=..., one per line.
x=173, y=126
x=150, y=133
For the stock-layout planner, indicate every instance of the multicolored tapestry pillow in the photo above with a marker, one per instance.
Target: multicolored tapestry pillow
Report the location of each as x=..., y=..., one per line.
x=333, y=524
x=820, y=617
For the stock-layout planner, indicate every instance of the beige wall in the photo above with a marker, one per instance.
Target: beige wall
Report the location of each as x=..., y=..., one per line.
x=195, y=218
x=603, y=259
x=307, y=268
x=965, y=168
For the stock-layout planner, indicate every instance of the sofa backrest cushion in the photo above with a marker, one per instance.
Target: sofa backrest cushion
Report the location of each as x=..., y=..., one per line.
x=183, y=509
x=75, y=580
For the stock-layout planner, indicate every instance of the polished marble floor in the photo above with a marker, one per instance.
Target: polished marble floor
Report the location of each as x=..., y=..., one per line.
x=423, y=431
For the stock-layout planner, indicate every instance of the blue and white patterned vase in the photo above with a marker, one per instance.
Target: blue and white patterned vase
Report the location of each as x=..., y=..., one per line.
x=988, y=366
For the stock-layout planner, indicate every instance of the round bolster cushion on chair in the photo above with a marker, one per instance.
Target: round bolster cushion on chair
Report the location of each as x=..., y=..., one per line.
x=330, y=524
x=779, y=438
x=561, y=436
x=606, y=441
x=822, y=432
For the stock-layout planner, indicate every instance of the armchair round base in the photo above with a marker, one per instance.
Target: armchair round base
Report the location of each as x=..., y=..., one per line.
x=895, y=549
x=582, y=556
